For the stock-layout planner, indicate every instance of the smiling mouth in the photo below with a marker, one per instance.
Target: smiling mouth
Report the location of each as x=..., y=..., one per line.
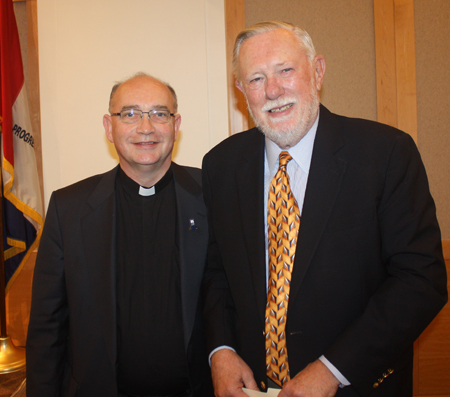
x=281, y=109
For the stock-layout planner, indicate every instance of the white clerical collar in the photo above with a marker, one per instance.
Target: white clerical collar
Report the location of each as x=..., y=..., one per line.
x=301, y=152
x=132, y=185
x=146, y=191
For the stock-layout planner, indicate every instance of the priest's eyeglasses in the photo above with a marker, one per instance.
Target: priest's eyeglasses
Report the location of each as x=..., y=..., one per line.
x=132, y=116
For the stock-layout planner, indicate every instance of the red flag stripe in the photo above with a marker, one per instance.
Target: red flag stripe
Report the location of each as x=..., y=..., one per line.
x=11, y=73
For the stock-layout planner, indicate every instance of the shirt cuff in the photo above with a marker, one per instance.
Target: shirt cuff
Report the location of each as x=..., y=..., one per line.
x=341, y=378
x=217, y=349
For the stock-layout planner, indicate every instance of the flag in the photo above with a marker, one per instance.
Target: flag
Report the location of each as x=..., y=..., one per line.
x=22, y=203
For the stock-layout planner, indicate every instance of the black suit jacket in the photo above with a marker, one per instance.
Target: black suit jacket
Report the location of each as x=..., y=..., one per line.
x=369, y=274
x=71, y=345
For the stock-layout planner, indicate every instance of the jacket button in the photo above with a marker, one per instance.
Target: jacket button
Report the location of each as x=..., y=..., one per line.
x=375, y=385
x=263, y=386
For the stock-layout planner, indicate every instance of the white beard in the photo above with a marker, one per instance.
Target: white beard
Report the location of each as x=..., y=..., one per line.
x=289, y=135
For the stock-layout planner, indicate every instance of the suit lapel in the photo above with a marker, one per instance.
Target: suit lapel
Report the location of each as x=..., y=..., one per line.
x=193, y=241
x=250, y=186
x=323, y=185
x=98, y=246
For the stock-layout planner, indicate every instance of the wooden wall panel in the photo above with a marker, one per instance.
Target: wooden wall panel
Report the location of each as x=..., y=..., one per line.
x=405, y=66
x=432, y=377
x=446, y=249
x=234, y=23
x=385, y=62
x=433, y=85
x=396, y=64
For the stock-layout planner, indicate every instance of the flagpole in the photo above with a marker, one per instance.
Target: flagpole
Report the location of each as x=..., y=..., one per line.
x=12, y=358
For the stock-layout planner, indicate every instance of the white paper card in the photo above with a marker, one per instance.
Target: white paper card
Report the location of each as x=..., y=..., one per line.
x=253, y=393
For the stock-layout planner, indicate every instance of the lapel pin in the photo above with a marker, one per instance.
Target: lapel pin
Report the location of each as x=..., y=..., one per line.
x=192, y=225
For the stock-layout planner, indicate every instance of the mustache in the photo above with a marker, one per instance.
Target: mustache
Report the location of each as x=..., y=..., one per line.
x=277, y=103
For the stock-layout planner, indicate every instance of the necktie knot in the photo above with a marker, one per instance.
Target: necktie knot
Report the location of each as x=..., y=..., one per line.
x=284, y=158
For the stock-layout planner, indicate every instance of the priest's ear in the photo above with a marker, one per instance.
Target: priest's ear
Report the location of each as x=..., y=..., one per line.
x=107, y=125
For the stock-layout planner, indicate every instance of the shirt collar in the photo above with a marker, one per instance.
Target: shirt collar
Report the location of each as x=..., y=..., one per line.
x=135, y=189
x=301, y=152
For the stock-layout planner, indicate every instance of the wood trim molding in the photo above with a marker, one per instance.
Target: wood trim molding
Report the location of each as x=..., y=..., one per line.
x=406, y=66
x=234, y=23
x=385, y=62
x=396, y=64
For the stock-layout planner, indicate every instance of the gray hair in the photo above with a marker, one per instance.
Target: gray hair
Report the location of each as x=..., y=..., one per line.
x=304, y=38
x=142, y=74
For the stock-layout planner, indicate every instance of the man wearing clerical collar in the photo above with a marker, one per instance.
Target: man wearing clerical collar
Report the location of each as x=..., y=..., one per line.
x=116, y=309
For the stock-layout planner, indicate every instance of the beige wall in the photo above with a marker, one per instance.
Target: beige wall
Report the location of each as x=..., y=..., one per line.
x=78, y=50
x=433, y=87
x=343, y=31
x=85, y=46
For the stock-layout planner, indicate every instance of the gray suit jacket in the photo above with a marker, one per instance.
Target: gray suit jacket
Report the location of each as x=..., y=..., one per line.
x=71, y=345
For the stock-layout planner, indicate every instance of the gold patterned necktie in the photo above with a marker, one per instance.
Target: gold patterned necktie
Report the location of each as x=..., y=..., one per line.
x=283, y=225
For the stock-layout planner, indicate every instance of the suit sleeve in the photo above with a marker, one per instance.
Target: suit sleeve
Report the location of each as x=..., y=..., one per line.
x=48, y=327
x=414, y=289
x=219, y=308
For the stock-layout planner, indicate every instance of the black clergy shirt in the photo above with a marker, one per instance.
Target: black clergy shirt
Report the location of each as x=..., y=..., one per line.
x=151, y=353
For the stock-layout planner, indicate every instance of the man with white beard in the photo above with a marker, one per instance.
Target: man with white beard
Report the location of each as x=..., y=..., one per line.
x=325, y=258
